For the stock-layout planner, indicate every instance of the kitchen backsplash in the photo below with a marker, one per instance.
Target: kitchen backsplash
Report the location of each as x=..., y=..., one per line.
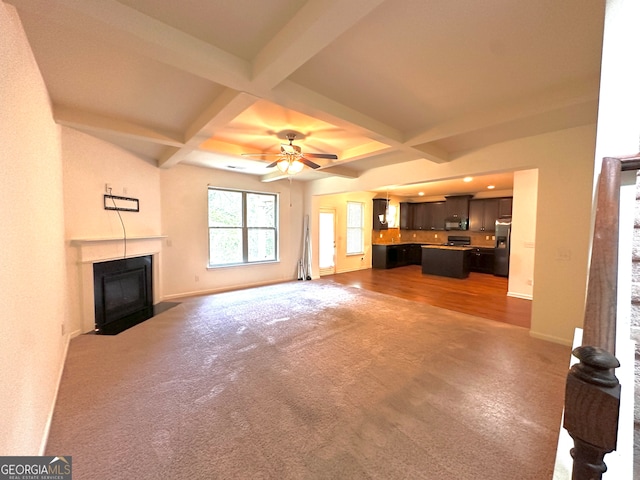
x=395, y=235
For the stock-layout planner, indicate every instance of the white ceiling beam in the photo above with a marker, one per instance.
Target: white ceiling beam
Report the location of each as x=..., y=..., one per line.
x=91, y=122
x=548, y=101
x=340, y=171
x=293, y=95
x=433, y=153
x=273, y=176
x=228, y=105
x=309, y=102
x=126, y=27
x=315, y=25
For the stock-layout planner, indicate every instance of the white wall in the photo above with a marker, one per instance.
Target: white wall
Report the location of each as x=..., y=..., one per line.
x=90, y=163
x=184, y=221
x=523, y=233
x=564, y=160
x=32, y=272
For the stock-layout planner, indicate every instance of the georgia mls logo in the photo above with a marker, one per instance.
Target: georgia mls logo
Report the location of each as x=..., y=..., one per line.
x=35, y=468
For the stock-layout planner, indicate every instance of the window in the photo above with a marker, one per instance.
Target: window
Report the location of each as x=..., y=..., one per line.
x=355, y=228
x=242, y=227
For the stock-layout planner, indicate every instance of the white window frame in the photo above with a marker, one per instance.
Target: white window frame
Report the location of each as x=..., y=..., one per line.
x=245, y=229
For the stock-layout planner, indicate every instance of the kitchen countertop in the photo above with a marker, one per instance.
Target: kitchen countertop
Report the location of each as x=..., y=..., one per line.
x=449, y=247
x=432, y=245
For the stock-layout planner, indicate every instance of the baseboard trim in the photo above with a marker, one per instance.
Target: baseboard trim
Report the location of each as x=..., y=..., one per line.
x=47, y=426
x=211, y=291
x=551, y=338
x=352, y=269
x=524, y=296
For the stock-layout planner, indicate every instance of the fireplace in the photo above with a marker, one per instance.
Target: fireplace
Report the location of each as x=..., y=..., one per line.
x=123, y=293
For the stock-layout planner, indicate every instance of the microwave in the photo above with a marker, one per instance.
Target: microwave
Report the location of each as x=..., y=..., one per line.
x=456, y=223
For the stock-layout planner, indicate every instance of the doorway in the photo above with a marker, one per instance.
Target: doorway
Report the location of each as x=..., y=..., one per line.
x=327, y=247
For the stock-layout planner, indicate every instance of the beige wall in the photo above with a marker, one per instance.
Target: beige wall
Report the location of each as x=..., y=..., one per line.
x=184, y=221
x=523, y=233
x=564, y=160
x=338, y=203
x=32, y=272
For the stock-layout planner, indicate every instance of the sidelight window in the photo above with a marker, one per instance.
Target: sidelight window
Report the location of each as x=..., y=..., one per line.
x=355, y=228
x=243, y=227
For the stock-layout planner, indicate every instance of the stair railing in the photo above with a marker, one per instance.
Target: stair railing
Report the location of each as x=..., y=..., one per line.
x=592, y=394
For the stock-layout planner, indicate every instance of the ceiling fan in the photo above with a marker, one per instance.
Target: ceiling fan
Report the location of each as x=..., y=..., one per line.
x=292, y=160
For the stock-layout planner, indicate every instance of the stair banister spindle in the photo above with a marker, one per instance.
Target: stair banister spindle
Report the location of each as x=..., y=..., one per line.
x=592, y=395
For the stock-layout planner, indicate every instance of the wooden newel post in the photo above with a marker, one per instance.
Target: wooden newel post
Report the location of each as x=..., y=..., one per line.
x=592, y=402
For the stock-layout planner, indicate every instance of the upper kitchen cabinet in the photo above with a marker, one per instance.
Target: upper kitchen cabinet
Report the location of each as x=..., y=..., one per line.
x=483, y=215
x=379, y=208
x=438, y=213
x=505, y=205
x=422, y=216
x=457, y=206
x=406, y=216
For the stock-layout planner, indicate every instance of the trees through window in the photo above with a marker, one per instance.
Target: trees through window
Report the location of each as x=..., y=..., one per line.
x=243, y=227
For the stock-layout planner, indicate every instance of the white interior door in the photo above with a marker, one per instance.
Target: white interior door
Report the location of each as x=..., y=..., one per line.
x=327, y=247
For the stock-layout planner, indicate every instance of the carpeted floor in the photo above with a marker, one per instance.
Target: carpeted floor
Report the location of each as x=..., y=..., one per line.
x=310, y=380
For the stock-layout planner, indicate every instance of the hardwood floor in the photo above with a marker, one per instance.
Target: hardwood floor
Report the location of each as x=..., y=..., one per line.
x=480, y=294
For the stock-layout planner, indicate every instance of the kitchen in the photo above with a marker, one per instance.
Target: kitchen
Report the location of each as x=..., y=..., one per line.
x=449, y=238
x=520, y=185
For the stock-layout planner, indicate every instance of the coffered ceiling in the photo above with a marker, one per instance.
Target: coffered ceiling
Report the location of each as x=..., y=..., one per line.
x=377, y=82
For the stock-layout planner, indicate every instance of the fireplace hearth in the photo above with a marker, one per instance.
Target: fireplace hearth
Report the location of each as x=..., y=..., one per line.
x=123, y=293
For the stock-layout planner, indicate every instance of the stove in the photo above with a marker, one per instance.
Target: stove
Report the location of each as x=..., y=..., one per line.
x=458, y=241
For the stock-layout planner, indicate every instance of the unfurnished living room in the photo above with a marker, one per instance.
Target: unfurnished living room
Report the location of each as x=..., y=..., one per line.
x=301, y=239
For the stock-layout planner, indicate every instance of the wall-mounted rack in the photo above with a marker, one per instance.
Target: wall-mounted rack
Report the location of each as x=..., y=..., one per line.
x=127, y=204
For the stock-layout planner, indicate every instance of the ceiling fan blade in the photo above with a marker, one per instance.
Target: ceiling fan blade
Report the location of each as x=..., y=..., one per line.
x=328, y=156
x=308, y=163
x=260, y=154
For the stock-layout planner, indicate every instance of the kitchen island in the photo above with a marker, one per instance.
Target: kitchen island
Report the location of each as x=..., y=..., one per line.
x=446, y=260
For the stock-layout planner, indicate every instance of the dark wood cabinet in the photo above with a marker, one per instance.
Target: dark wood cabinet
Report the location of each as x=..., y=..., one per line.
x=406, y=216
x=391, y=256
x=505, y=206
x=457, y=206
x=438, y=214
x=446, y=262
x=415, y=254
x=481, y=260
x=379, y=208
x=476, y=215
x=422, y=216
x=483, y=215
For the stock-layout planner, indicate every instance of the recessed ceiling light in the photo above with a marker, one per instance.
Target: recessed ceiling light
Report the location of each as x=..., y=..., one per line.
x=491, y=187
x=467, y=179
x=421, y=194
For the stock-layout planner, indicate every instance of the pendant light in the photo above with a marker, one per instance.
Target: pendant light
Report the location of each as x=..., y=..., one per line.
x=384, y=217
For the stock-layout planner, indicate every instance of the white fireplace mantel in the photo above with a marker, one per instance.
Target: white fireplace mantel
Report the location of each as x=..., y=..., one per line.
x=95, y=250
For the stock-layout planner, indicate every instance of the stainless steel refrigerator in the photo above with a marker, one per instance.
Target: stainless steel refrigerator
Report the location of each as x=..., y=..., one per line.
x=502, y=247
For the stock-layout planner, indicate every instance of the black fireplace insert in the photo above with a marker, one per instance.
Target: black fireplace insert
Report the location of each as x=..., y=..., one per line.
x=123, y=292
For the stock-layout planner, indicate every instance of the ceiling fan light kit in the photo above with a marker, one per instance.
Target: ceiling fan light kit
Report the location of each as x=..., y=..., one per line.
x=290, y=165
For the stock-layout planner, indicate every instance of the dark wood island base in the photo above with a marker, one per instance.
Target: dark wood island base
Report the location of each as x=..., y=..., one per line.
x=446, y=261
